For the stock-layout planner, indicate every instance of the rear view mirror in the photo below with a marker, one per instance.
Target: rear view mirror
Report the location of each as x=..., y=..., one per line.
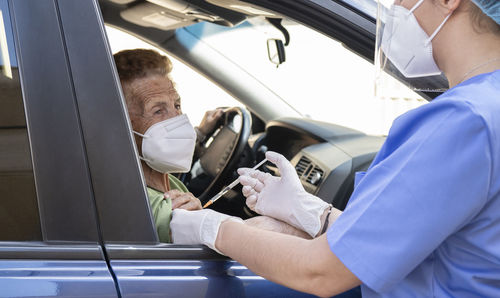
x=276, y=51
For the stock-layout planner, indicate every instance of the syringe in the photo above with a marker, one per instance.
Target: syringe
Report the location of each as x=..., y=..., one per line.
x=230, y=186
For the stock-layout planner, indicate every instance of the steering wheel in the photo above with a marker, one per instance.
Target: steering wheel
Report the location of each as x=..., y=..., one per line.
x=223, y=149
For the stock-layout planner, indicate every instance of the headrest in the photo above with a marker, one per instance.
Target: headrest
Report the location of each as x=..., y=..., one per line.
x=11, y=101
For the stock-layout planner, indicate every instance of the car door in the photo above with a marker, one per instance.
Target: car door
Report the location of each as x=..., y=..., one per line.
x=143, y=266
x=49, y=237
x=75, y=215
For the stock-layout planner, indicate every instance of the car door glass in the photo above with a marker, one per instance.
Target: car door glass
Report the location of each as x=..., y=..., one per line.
x=19, y=217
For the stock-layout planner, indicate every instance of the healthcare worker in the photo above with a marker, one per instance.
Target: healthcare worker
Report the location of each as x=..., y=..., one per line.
x=424, y=221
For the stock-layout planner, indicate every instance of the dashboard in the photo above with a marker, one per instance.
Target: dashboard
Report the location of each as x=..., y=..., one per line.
x=326, y=156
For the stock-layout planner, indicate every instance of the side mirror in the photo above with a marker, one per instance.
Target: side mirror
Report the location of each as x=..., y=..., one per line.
x=276, y=51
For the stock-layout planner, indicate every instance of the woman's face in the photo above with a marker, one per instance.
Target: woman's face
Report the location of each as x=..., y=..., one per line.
x=155, y=100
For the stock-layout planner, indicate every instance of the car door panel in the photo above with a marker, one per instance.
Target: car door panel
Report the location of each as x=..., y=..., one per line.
x=41, y=270
x=193, y=278
x=169, y=270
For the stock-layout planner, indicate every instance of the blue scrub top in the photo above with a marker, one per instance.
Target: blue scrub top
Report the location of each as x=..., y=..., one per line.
x=424, y=221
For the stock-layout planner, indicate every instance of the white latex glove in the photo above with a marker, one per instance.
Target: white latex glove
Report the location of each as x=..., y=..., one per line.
x=283, y=197
x=197, y=227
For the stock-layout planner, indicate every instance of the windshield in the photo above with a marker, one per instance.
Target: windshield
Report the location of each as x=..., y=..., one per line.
x=368, y=7
x=320, y=78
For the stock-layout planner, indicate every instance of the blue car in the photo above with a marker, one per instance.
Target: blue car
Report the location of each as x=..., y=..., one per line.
x=74, y=214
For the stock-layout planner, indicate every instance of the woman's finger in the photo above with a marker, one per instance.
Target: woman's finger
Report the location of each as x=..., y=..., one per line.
x=190, y=205
x=179, y=201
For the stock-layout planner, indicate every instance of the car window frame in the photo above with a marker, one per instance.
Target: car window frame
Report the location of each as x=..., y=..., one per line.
x=50, y=117
x=70, y=245
x=116, y=178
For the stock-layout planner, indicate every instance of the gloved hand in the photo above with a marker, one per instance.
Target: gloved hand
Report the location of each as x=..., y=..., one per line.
x=283, y=197
x=197, y=227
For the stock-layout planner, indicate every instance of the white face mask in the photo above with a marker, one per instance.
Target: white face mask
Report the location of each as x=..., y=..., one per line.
x=407, y=45
x=168, y=146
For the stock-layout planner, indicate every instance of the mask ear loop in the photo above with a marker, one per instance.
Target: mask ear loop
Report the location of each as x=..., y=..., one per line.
x=144, y=137
x=140, y=134
x=415, y=6
x=437, y=30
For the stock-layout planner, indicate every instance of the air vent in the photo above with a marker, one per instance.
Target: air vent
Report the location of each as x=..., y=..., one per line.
x=315, y=176
x=303, y=166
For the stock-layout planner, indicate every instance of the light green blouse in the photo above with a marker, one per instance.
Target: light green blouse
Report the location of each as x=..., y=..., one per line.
x=162, y=208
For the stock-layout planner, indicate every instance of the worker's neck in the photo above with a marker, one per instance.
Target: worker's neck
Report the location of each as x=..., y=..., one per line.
x=470, y=54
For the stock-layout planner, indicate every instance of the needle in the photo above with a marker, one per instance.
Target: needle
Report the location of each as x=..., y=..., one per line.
x=230, y=186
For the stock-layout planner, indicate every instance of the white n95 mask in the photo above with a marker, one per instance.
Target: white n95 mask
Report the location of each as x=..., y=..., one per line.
x=407, y=45
x=168, y=146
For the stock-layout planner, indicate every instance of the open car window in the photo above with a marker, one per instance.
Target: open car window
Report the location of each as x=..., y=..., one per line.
x=198, y=94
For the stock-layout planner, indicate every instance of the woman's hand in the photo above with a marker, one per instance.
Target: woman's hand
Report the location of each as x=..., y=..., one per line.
x=183, y=200
x=209, y=121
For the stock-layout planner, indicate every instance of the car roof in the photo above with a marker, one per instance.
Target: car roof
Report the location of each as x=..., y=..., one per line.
x=350, y=22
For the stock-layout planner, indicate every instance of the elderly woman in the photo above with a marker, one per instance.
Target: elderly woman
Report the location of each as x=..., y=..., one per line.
x=153, y=103
x=154, y=108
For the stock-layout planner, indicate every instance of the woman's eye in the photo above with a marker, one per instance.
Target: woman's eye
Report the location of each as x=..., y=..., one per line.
x=158, y=112
x=177, y=107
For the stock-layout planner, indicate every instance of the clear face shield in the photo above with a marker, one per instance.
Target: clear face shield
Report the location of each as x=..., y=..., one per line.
x=404, y=50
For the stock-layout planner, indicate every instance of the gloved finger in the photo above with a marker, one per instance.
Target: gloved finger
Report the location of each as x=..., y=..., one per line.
x=247, y=180
x=258, y=206
x=286, y=169
x=254, y=173
x=252, y=182
x=263, y=177
x=259, y=186
x=248, y=191
x=251, y=201
x=244, y=171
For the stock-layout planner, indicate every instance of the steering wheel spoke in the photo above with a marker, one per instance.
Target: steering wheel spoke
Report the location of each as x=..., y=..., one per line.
x=223, y=150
